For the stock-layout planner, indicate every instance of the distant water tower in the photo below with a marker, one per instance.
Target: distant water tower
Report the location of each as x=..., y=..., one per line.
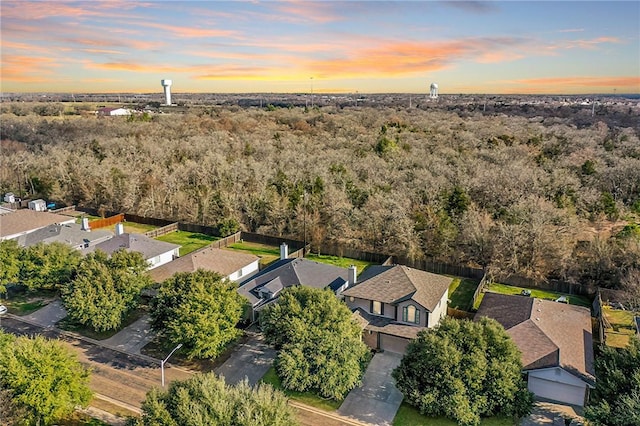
x=167, y=90
x=433, y=91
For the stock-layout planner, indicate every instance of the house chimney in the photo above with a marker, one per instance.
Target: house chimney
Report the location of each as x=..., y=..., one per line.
x=85, y=224
x=353, y=273
x=119, y=228
x=284, y=251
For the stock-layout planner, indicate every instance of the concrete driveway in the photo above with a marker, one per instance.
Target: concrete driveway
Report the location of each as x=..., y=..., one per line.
x=377, y=400
x=49, y=315
x=251, y=359
x=133, y=337
x=550, y=413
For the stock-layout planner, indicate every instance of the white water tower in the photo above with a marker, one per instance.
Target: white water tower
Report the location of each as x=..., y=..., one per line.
x=167, y=90
x=433, y=91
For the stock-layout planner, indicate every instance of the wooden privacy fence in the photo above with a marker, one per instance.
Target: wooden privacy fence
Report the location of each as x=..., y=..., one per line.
x=158, y=232
x=108, y=221
x=234, y=238
x=476, y=294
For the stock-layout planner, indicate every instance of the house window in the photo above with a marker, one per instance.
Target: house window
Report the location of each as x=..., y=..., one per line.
x=411, y=314
x=376, y=308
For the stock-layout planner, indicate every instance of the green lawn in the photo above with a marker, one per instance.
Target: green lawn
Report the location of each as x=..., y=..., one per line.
x=137, y=228
x=69, y=325
x=308, y=398
x=461, y=293
x=409, y=416
x=189, y=241
x=267, y=254
x=342, y=262
x=574, y=299
x=26, y=302
x=622, y=327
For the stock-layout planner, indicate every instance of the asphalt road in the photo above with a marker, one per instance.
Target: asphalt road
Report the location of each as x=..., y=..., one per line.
x=121, y=377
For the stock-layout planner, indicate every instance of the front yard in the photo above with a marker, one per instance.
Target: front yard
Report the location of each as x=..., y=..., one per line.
x=68, y=325
x=23, y=302
x=410, y=416
x=308, y=398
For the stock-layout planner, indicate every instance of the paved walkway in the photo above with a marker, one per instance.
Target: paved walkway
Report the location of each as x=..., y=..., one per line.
x=133, y=337
x=251, y=359
x=49, y=315
x=377, y=400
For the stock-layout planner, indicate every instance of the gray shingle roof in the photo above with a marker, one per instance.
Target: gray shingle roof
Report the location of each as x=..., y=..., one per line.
x=393, y=284
x=224, y=262
x=70, y=234
x=292, y=272
x=548, y=333
x=149, y=247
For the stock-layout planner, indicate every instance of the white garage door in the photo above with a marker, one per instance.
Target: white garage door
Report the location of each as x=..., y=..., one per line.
x=557, y=391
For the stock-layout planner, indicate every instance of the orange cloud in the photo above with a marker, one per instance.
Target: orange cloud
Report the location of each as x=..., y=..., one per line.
x=189, y=32
x=304, y=11
x=38, y=10
x=19, y=68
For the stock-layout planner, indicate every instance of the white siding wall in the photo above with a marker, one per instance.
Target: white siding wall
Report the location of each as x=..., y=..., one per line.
x=439, y=312
x=167, y=257
x=557, y=384
x=244, y=271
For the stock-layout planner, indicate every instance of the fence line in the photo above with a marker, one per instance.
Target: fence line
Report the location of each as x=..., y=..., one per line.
x=64, y=209
x=108, y=221
x=223, y=242
x=476, y=294
x=457, y=313
x=158, y=232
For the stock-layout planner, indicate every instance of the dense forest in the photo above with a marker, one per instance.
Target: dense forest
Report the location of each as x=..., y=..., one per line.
x=536, y=195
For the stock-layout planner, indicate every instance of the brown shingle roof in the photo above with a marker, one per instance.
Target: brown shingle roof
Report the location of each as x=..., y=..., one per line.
x=547, y=333
x=24, y=220
x=397, y=283
x=224, y=262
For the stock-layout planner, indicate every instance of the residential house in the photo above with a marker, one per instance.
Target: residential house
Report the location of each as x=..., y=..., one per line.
x=14, y=223
x=71, y=234
x=231, y=264
x=155, y=252
x=113, y=112
x=263, y=288
x=555, y=340
x=394, y=303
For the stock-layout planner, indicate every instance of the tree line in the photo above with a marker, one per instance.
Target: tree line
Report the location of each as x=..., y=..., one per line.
x=535, y=196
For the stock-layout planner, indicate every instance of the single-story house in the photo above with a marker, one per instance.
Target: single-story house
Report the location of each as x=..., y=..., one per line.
x=20, y=222
x=71, y=234
x=394, y=303
x=264, y=287
x=113, y=112
x=231, y=264
x=155, y=252
x=555, y=340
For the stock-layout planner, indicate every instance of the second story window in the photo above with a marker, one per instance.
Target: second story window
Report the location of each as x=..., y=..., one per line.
x=411, y=314
x=376, y=308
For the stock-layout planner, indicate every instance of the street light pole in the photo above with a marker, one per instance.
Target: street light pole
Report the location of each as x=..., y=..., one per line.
x=165, y=360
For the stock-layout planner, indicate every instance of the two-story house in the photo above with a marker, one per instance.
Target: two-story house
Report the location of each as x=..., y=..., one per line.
x=393, y=303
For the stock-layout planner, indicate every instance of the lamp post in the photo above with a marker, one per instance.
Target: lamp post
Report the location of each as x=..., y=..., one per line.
x=165, y=360
x=311, y=78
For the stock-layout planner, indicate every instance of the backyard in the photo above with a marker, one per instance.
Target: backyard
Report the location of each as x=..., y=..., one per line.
x=188, y=241
x=573, y=299
x=342, y=262
x=621, y=328
x=461, y=293
x=267, y=254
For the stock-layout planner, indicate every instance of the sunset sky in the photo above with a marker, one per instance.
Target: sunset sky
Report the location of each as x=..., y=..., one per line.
x=330, y=46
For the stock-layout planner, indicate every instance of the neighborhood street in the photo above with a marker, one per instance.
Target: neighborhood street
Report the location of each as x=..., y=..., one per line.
x=122, y=378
